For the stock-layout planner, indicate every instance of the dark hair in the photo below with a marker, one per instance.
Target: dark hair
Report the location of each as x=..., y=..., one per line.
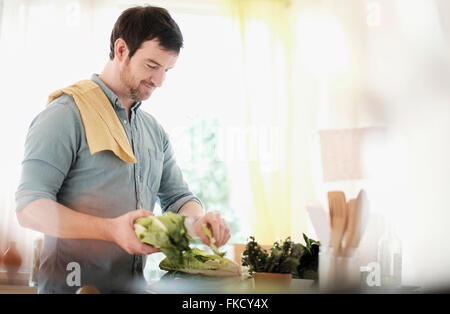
x=138, y=24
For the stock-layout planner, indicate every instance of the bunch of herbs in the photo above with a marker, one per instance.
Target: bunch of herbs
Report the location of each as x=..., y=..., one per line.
x=285, y=257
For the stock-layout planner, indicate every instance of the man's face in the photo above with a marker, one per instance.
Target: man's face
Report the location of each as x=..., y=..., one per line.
x=146, y=70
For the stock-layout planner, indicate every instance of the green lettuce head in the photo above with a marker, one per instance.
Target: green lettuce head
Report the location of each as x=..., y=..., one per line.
x=167, y=233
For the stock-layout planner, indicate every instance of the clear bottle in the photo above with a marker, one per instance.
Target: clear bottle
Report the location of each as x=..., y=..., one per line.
x=390, y=258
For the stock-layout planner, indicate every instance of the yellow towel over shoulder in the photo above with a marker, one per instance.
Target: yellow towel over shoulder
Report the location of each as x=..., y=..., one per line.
x=101, y=125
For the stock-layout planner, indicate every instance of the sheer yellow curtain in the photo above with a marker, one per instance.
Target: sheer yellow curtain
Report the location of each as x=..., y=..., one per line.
x=266, y=30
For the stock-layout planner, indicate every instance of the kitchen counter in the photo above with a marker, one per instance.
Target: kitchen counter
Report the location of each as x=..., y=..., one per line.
x=185, y=283
x=16, y=289
x=18, y=284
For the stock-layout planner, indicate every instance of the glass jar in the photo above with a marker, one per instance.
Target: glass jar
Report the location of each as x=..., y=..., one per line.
x=338, y=272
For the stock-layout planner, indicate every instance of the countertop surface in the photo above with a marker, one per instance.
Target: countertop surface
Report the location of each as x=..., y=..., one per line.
x=16, y=289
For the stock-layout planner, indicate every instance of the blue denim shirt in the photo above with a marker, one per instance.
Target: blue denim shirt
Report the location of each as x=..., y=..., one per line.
x=58, y=165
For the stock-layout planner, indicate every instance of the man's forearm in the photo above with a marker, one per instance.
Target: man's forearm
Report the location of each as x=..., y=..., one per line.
x=191, y=209
x=52, y=218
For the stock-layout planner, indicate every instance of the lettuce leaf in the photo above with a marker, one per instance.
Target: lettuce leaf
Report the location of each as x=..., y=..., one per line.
x=212, y=241
x=167, y=232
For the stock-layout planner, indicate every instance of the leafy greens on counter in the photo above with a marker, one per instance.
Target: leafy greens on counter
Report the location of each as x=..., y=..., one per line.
x=196, y=261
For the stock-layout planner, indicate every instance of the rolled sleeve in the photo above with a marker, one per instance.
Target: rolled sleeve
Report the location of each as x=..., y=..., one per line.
x=176, y=206
x=39, y=180
x=50, y=149
x=174, y=191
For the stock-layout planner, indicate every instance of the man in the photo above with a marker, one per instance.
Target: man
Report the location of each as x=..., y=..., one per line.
x=86, y=203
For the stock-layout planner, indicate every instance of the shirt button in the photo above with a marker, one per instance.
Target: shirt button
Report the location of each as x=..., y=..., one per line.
x=125, y=121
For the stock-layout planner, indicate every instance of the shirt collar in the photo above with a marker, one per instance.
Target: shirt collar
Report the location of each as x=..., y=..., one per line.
x=112, y=97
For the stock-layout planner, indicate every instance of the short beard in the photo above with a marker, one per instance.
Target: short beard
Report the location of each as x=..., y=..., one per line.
x=134, y=94
x=126, y=80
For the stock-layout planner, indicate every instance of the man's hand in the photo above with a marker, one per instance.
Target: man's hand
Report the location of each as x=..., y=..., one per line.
x=218, y=226
x=123, y=234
